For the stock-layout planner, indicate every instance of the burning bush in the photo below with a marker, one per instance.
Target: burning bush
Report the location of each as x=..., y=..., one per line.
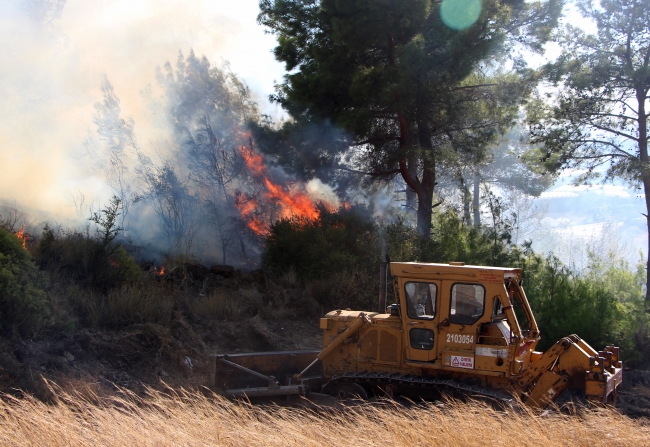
x=23, y=304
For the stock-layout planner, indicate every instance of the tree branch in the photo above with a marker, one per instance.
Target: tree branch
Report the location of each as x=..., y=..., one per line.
x=374, y=140
x=603, y=142
x=374, y=174
x=615, y=132
x=467, y=87
x=625, y=117
x=595, y=157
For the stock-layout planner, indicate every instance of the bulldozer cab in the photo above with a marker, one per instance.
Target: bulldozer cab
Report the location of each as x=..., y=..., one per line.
x=465, y=317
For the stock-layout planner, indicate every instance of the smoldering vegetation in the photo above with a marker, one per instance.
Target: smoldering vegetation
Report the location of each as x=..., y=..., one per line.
x=183, y=199
x=206, y=189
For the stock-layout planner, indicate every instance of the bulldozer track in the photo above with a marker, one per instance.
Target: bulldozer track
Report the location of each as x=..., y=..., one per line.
x=432, y=383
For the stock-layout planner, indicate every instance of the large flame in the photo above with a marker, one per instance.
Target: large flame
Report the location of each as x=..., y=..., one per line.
x=20, y=234
x=293, y=202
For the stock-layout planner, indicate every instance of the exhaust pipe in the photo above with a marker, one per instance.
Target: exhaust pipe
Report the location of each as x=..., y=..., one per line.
x=383, y=274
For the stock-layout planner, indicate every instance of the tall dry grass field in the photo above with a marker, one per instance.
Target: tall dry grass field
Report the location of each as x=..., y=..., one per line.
x=188, y=419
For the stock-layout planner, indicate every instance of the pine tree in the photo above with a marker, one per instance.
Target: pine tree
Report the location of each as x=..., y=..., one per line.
x=599, y=120
x=406, y=79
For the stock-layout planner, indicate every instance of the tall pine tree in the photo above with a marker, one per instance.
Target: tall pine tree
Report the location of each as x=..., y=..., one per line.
x=599, y=120
x=405, y=78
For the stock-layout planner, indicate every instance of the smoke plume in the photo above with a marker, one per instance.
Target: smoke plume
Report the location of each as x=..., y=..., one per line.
x=56, y=55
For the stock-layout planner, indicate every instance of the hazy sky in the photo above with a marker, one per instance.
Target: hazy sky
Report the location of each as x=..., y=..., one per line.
x=53, y=61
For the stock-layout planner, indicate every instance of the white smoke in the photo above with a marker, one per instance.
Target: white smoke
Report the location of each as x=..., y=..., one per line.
x=55, y=55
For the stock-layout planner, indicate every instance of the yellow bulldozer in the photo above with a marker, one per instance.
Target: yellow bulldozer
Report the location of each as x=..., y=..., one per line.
x=453, y=328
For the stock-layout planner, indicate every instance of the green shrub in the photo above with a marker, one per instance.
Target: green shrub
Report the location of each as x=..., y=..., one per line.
x=604, y=304
x=355, y=290
x=337, y=256
x=23, y=304
x=341, y=241
x=86, y=260
x=452, y=240
x=127, y=269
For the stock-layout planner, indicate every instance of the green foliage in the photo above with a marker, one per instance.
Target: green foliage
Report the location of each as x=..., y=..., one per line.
x=89, y=261
x=127, y=269
x=598, y=117
x=336, y=256
x=452, y=240
x=340, y=241
x=603, y=304
x=23, y=304
x=102, y=284
x=93, y=280
x=400, y=82
x=106, y=220
x=357, y=289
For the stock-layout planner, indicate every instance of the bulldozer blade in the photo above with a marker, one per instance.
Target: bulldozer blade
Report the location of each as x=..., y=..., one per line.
x=253, y=370
x=268, y=391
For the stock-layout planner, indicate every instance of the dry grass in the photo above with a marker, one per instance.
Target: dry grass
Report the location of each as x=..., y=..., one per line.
x=225, y=304
x=136, y=305
x=220, y=303
x=191, y=419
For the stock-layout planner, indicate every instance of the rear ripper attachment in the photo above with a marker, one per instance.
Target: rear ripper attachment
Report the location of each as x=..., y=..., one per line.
x=451, y=327
x=604, y=375
x=572, y=363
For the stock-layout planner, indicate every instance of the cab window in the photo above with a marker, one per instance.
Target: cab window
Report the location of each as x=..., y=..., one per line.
x=498, y=313
x=522, y=318
x=421, y=299
x=467, y=303
x=421, y=339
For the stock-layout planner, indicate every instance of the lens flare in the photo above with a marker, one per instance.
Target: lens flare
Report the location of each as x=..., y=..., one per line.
x=460, y=14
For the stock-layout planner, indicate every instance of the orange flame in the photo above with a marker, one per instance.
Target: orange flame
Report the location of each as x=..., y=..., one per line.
x=161, y=272
x=20, y=234
x=296, y=203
